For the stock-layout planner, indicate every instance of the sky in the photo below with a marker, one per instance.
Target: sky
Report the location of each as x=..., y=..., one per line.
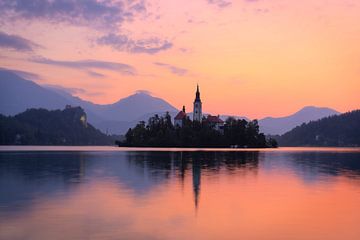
x=252, y=58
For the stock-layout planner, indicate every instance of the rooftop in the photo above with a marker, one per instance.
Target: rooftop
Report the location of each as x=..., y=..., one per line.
x=181, y=115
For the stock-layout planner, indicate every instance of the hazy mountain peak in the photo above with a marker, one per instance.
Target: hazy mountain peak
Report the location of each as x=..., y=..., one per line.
x=280, y=125
x=310, y=109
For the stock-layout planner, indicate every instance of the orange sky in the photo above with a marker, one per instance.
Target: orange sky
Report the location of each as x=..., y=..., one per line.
x=251, y=58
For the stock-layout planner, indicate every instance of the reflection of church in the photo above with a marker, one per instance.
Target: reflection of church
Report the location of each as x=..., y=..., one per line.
x=196, y=172
x=214, y=121
x=196, y=176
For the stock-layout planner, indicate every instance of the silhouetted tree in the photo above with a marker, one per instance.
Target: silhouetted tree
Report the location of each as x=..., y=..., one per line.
x=160, y=132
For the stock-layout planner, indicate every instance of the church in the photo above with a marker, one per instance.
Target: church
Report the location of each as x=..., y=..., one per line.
x=213, y=121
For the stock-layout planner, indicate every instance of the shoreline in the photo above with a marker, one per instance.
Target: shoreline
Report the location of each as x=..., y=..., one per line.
x=38, y=148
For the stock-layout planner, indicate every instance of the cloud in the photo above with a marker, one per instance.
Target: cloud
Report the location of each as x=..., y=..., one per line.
x=23, y=74
x=106, y=16
x=175, y=70
x=95, y=74
x=122, y=42
x=220, y=3
x=16, y=42
x=91, y=13
x=87, y=65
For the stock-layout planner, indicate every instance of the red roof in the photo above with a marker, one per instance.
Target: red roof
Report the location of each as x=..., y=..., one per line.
x=181, y=115
x=214, y=119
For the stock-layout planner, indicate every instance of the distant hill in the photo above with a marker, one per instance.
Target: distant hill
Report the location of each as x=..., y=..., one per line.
x=281, y=125
x=340, y=130
x=56, y=127
x=18, y=94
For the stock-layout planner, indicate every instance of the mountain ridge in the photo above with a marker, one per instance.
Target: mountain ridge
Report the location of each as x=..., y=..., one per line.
x=280, y=125
x=19, y=94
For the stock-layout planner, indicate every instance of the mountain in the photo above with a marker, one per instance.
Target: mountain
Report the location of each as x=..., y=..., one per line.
x=135, y=106
x=120, y=116
x=18, y=94
x=274, y=126
x=56, y=127
x=339, y=130
x=127, y=109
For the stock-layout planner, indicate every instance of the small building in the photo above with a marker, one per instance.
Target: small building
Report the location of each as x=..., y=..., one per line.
x=216, y=122
x=179, y=118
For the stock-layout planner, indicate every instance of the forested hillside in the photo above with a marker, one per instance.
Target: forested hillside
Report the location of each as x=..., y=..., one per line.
x=44, y=127
x=340, y=130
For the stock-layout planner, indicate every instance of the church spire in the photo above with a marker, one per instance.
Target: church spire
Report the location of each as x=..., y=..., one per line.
x=197, y=97
x=197, y=113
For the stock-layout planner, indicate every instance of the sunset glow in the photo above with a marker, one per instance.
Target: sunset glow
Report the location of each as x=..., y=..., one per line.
x=251, y=58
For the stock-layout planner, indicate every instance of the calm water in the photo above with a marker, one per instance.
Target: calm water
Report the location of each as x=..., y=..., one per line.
x=112, y=193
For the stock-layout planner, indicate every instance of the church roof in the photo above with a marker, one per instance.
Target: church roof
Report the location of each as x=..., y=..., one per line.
x=181, y=115
x=214, y=119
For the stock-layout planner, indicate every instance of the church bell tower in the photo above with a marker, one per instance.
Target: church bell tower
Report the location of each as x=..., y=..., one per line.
x=197, y=113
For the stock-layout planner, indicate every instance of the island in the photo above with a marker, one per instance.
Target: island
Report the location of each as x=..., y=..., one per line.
x=201, y=131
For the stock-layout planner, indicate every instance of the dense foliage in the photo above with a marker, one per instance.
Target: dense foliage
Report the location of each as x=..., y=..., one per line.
x=340, y=130
x=43, y=127
x=160, y=132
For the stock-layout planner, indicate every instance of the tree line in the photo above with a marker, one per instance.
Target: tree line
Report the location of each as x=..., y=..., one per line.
x=159, y=131
x=57, y=127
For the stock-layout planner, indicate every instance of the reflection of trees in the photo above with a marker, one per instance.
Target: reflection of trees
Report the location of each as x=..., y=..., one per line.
x=164, y=163
x=326, y=163
x=36, y=165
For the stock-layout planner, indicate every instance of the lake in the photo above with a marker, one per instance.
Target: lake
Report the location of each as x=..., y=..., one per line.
x=143, y=193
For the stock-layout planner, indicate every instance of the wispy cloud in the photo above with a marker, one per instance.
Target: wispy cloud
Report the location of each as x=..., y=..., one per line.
x=220, y=3
x=175, y=70
x=123, y=43
x=96, y=74
x=23, y=74
x=16, y=42
x=87, y=65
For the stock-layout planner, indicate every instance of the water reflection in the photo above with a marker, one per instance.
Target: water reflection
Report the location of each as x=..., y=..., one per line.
x=204, y=195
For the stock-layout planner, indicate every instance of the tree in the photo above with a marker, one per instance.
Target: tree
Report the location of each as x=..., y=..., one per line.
x=160, y=132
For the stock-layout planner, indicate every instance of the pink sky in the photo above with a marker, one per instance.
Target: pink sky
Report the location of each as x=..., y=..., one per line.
x=251, y=57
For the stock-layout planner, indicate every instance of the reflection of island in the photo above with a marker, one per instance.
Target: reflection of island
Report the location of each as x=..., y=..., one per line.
x=145, y=170
x=161, y=165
